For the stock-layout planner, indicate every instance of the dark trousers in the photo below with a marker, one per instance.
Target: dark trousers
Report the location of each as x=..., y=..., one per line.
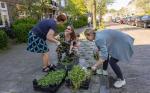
x=113, y=63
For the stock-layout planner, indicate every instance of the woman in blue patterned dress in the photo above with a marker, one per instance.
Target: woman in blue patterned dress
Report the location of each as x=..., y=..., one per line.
x=44, y=30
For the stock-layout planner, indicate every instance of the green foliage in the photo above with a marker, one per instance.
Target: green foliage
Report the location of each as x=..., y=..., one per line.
x=28, y=20
x=80, y=22
x=144, y=5
x=89, y=5
x=77, y=23
x=21, y=27
x=102, y=9
x=76, y=7
x=102, y=25
x=67, y=61
x=3, y=40
x=54, y=77
x=37, y=8
x=96, y=56
x=77, y=75
x=61, y=28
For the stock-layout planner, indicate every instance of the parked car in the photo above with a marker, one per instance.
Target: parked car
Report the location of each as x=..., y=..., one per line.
x=117, y=19
x=132, y=21
x=128, y=20
x=138, y=21
x=143, y=21
x=124, y=20
x=146, y=21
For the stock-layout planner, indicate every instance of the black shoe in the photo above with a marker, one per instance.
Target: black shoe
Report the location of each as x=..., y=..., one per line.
x=52, y=67
x=46, y=69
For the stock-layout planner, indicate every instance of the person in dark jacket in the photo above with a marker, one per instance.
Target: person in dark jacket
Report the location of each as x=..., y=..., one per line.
x=42, y=31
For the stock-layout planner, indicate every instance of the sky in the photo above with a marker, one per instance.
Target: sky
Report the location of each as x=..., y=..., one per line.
x=118, y=4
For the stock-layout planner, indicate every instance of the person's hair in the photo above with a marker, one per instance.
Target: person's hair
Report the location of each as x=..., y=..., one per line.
x=89, y=31
x=73, y=34
x=74, y=43
x=77, y=35
x=61, y=18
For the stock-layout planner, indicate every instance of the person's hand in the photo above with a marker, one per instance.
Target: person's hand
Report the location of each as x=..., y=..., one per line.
x=58, y=43
x=94, y=68
x=96, y=50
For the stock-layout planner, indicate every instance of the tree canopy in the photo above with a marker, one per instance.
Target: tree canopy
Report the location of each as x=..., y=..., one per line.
x=76, y=7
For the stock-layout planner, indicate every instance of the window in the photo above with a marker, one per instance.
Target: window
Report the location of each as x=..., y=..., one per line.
x=1, y=21
x=5, y=20
x=2, y=5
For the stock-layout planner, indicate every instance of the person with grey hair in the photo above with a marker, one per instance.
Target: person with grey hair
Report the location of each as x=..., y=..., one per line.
x=113, y=46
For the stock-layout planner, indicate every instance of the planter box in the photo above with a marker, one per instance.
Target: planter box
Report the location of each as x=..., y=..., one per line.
x=50, y=88
x=85, y=84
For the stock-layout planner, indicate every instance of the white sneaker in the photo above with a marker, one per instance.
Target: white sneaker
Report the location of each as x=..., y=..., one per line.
x=119, y=83
x=102, y=72
x=105, y=73
x=99, y=71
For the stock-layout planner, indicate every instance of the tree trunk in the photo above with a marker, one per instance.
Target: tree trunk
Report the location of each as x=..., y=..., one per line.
x=94, y=14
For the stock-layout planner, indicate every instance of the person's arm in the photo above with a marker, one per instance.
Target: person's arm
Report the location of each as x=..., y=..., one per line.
x=57, y=37
x=103, y=53
x=71, y=47
x=50, y=37
x=98, y=63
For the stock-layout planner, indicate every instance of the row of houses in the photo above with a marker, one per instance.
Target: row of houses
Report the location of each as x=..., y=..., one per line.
x=7, y=10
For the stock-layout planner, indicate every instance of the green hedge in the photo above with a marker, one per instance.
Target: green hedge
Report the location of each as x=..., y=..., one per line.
x=25, y=21
x=21, y=31
x=3, y=40
x=21, y=27
x=61, y=27
x=80, y=22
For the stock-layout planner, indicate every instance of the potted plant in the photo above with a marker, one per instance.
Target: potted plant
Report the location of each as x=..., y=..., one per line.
x=68, y=62
x=50, y=82
x=78, y=78
x=96, y=55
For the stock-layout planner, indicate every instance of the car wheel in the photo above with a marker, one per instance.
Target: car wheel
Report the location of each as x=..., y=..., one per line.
x=145, y=25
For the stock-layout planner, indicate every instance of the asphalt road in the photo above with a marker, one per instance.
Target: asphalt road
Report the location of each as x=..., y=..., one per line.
x=137, y=71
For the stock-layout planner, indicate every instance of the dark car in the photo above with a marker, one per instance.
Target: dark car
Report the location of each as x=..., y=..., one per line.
x=138, y=21
x=143, y=21
x=146, y=21
x=123, y=21
x=131, y=20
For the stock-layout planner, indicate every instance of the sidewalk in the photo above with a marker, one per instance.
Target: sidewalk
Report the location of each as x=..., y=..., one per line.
x=18, y=68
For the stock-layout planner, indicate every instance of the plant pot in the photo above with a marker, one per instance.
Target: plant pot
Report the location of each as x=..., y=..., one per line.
x=50, y=88
x=68, y=66
x=85, y=84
